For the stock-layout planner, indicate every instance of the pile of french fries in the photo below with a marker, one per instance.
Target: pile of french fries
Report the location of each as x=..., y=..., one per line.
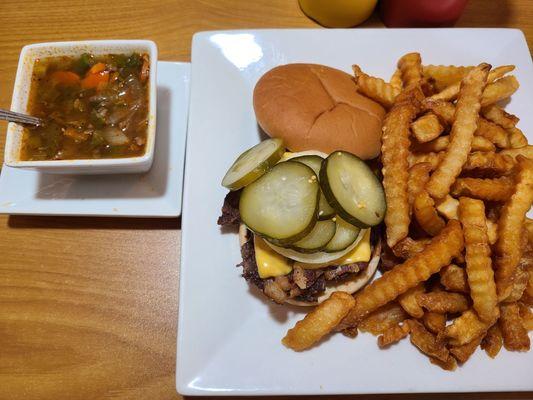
x=458, y=261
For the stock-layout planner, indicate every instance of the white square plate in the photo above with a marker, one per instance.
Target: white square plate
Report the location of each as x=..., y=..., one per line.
x=156, y=193
x=228, y=335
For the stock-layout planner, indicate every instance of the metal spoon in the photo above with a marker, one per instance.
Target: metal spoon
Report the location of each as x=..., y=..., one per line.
x=19, y=118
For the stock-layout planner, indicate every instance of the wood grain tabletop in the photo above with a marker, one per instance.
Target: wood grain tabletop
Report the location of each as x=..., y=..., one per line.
x=88, y=306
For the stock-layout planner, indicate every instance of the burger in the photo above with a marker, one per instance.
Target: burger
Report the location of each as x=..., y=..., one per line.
x=306, y=202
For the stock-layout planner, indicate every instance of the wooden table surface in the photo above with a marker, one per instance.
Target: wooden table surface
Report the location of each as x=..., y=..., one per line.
x=88, y=306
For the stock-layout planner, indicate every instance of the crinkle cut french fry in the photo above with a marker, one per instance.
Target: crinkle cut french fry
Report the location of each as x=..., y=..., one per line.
x=463, y=128
x=418, y=177
x=507, y=248
x=426, y=214
x=526, y=151
x=383, y=318
x=497, y=163
x=499, y=90
x=517, y=138
x=498, y=115
x=396, y=80
x=478, y=259
x=445, y=75
x=409, y=303
x=515, y=337
x=493, y=132
x=394, y=156
x=451, y=92
x=375, y=88
x=410, y=65
x=319, y=322
x=393, y=335
x=434, y=322
x=432, y=158
x=465, y=328
x=479, y=143
x=426, y=128
x=437, y=254
x=427, y=342
x=462, y=353
x=454, y=279
x=448, y=207
x=520, y=281
x=443, y=302
x=407, y=248
x=497, y=189
x=493, y=341
x=526, y=314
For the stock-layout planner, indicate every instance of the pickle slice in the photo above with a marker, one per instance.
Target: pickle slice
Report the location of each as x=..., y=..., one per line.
x=325, y=211
x=282, y=205
x=320, y=235
x=345, y=235
x=253, y=163
x=352, y=189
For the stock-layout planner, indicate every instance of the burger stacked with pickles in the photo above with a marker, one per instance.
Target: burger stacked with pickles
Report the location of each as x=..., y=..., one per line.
x=305, y=220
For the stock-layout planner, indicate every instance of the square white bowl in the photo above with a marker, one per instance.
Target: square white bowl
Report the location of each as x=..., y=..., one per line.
x=21, y=93
x=229, y=334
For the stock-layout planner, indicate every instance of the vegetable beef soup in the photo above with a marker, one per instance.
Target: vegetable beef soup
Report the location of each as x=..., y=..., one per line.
x=92, y=107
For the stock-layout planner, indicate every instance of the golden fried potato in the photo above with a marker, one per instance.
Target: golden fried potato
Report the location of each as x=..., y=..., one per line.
x=448, y=207
x=434, y=322
x=520, y=282
x=465, y=328
x=432, y=158
x=463, y=128
x=515, y=337
x=526, y=151
x=394, y=156
x=393, y=335
x=409, y=302
x=375, y=88
x=319, y=322
x=445, y=75
x=396, y=80
x=401, y=278
x=498, y=115
x=492, y=232
x=517, y=139
x=443, y=302
x=426, y=128
x=454, y=279
x=444, y=110
x=507, y=248
x=497, y=189
x=527, y=316
x=418, y=177
x=428, y=343
x=462, y=353
x=407, y=248
x=499, y=90
x=497, y=163
x=410, y=66
x=478, y=261
x=493, y=132
x=426, y=214
x=493, y=341
x=383, y=318
x=450, y=93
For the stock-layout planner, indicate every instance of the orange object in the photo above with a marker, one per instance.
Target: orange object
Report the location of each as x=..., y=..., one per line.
x=338, y=13
x=98, y=80
x=65, y=78
x=98, y=67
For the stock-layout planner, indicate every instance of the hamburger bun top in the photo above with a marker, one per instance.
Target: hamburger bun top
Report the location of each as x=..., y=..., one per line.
x=314, y=107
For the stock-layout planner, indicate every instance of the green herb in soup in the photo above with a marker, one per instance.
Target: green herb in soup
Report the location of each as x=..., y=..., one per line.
x=92, y=107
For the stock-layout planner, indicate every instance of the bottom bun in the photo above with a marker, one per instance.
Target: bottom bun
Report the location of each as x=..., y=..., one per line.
x=351, y=285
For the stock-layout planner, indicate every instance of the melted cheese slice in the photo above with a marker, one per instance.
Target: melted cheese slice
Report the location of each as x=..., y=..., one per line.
x=360, y=253
x=270, y=263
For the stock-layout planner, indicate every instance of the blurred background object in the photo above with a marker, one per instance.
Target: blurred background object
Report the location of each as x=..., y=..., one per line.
x=338, y=13
x=420, y=13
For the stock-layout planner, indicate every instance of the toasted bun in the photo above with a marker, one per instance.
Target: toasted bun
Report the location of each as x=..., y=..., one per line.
x=314, y=107
x=351, y=285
